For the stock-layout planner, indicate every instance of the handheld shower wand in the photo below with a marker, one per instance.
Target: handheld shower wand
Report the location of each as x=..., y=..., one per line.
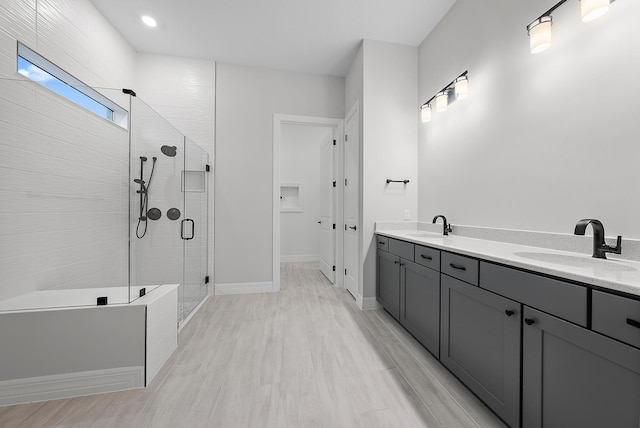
x=144, y=195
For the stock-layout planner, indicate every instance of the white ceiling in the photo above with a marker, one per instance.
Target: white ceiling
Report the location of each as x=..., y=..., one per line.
x=317, y=36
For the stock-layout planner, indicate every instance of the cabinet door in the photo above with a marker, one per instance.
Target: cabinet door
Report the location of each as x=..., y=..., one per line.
x=480, y=344
x=420, y=304
x=573, y=377
x=388, y=282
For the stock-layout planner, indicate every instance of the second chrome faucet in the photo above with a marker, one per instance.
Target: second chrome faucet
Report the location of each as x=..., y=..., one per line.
x=446, y=227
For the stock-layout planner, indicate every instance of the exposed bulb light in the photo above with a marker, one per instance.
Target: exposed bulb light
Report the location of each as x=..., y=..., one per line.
x=593, y=9
x=425, y=113
x=461, y=88
x=149, y=21
x=442, y=101
x=540, y=34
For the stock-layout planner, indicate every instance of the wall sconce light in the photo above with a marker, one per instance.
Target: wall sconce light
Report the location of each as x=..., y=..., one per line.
x=442, y=101
x=540, y=29
x=459, y=86
x=593, y=9
x=425, y=113
x=540, y=34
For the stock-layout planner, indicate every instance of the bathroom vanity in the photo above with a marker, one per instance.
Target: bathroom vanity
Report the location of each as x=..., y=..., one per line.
x=542, y=337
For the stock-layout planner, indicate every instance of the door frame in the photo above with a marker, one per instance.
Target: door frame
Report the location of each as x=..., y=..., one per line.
x=338, y=131
x=354, y=111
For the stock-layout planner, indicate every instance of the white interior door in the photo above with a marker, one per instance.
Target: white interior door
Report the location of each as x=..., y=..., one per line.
x=351, y=203
x=327, y=217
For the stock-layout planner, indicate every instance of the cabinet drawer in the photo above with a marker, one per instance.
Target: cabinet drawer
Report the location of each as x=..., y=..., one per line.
x=428, y=257
x=460, y=267
x=383, y=242
x=558, y=298
x=401, y=248
x=617, y=317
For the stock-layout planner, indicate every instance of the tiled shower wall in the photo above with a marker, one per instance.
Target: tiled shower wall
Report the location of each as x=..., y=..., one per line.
x=63, y=170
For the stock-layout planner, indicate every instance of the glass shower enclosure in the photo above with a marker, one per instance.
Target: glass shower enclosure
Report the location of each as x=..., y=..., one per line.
x=168, y=212
x=96, y=211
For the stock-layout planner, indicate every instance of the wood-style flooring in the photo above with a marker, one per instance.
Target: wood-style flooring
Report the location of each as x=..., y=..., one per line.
x=303, y=357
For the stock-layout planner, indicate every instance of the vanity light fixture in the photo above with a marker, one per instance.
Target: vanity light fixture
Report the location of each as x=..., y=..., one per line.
x=425, y=113
x=442, y=101
x=540, y=29
x=593, y=9
x=149, y=21
x=540, y=34
x=459, y=87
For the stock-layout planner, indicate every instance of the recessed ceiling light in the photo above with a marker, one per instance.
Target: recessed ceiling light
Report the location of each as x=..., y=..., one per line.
x=149, y=21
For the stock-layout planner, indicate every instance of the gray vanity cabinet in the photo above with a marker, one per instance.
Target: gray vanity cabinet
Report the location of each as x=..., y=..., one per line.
x=574, y=377
x=388, y=282
x=420, y=304
x=480, y=344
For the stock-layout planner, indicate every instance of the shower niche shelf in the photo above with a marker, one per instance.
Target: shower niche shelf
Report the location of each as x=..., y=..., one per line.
x=193, y=181
x=291, y=198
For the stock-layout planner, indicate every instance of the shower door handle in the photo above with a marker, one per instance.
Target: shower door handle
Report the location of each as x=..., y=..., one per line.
x=182, y=227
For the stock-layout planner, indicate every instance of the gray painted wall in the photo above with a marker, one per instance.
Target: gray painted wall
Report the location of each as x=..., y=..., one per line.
x=246, y=100
x=543, y=140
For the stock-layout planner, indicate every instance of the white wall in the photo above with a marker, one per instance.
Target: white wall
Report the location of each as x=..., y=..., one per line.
x=181, y=90
x=246, y=100
x=389, y=144
x=64, y=175
x=543, y=140
x=300, y=163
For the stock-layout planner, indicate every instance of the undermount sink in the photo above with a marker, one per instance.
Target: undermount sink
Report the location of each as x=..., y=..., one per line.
x=423, y=235
x=576, y=261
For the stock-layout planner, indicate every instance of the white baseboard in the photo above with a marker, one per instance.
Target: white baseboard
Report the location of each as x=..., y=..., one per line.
x=367, y=303
x=245, y=288
x=43, y=388
x=300, y=258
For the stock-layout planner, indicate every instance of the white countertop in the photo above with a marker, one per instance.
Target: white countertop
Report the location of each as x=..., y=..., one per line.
x=612, y=274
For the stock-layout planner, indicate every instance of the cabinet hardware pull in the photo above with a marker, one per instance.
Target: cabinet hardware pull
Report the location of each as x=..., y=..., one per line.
x=426, y=257
x=381, y=242
x=529, y=321
x=353, y=227
x=633, y=323
x=395, y=262
x=455, y=266
x=509, y=312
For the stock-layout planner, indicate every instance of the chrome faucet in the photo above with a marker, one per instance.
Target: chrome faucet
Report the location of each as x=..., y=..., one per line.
x=600, y=248
x=446, y=228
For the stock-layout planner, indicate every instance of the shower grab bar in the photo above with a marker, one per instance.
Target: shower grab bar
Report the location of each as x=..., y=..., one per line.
x=193, y=228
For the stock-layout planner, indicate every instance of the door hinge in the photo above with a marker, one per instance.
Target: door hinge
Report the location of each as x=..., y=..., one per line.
x=334, y=268
x=346, y=137
x=206, y=279
x=334, y=183
x=345, y=271
x=345, y=226
x=345, y=181
x=334, y=225
x=334, y=142
x=207, y=168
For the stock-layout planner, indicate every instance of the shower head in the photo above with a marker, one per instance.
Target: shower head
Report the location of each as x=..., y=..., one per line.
x=141, y=183
x=169, y=150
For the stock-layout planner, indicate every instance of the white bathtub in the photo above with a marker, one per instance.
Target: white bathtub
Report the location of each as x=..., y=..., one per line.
x=59, y=352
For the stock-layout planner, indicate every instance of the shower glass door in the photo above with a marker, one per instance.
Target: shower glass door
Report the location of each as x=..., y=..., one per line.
x=194, y=228
x=156, y=200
